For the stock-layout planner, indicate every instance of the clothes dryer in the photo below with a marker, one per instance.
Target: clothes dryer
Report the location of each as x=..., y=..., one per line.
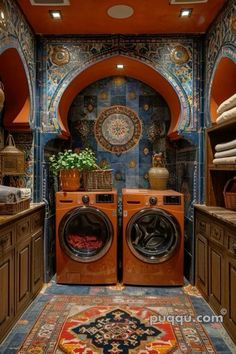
x=86, y=237
x=153, y=237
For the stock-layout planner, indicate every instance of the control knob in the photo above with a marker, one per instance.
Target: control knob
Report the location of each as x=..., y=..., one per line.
x=153, y=200
x=85, y=199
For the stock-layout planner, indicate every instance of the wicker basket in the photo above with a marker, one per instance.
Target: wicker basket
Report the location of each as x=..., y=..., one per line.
x=97, y=180
x=230, y=194
x=14, y=208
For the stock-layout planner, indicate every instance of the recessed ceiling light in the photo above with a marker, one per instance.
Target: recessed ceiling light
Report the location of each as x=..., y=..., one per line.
x=185, y=12
x=120, y=11
x=120, y=66
x=55, y=14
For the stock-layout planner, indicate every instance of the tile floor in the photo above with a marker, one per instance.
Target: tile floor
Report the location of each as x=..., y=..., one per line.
x=218, y=335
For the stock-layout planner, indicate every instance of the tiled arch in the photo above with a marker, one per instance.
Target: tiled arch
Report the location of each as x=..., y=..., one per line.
x=156, y=76
x=223, y=78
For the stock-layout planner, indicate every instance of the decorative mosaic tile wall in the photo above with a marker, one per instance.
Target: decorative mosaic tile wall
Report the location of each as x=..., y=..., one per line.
x=130, y=167
x=63, y=59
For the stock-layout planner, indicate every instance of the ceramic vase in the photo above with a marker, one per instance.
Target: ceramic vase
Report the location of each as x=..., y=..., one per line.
x=158, y=176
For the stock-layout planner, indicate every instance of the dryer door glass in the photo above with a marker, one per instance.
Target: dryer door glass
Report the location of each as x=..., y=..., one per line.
x=153, y=235
x=85, y=234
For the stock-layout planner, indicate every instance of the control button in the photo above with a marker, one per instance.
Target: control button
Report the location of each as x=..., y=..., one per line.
x=153, y=200
x=85, y=199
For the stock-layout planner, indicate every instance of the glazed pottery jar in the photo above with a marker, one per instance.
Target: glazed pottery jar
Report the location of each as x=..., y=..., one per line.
x=158, y=173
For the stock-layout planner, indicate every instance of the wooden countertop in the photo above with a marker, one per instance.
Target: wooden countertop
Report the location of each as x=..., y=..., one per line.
x=222, y=214
x=6, y=219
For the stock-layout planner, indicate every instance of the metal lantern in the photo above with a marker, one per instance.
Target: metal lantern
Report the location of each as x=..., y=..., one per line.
x=12, y=159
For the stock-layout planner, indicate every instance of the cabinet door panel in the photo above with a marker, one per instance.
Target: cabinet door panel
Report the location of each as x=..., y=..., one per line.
x=216, y=285
x=37, y=262
x=23, y=272
x=6, y=291
x=202, y=263
x=231, y=296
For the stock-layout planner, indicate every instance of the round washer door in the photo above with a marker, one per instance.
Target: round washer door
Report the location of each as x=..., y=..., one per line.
x=153, y=235
x=85, y=234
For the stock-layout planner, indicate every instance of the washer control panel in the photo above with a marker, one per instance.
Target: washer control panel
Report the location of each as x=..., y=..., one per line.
x=104, y=198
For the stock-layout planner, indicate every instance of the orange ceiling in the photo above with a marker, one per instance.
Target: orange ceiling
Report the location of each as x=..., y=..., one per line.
x=150, y=17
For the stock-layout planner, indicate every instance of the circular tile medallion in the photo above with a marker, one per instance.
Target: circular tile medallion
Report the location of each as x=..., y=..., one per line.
x=118, y=129
x=179, y=55
x=60, y=56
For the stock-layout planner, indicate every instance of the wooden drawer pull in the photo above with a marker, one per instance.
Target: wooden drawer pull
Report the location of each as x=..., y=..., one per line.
x=216, y=234
x=202, y=224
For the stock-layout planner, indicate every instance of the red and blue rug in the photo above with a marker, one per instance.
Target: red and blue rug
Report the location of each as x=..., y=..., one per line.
x=117, y=324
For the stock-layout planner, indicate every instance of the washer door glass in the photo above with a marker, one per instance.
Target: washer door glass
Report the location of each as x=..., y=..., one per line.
x=153, y=235
x=85, y=234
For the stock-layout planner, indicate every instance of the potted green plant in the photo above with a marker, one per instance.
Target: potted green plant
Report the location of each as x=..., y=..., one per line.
x=87, y=160
x=68, y=165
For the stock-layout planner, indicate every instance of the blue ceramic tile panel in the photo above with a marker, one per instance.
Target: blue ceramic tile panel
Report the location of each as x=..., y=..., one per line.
x=146, y=100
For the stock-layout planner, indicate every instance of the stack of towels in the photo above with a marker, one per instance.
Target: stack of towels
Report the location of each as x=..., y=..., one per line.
x=11, y=195
x=227, y=110
x=225, y=153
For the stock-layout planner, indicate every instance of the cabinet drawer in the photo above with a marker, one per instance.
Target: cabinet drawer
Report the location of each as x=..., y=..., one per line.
x=217, y=234
x=37, y=221
x=202, y=225
x=23, y=229
x=231, y=244
x=7, y=239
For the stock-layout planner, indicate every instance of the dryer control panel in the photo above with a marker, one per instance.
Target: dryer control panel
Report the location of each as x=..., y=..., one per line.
x=171, y=200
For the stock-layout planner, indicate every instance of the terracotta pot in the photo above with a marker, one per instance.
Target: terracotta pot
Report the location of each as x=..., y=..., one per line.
x=158, y=177
x=70, y=179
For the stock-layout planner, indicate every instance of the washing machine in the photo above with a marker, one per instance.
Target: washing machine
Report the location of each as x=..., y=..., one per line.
x=153, y=237
x=86, y=237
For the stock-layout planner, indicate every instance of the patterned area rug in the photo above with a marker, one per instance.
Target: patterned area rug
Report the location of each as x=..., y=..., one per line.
x=117, y=324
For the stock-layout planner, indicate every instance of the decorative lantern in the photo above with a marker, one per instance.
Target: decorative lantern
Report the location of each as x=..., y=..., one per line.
x=12, y=159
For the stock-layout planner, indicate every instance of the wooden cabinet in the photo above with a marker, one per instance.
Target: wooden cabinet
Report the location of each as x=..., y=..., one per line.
x=217, y=175
x=215, y=271
x=21, y=263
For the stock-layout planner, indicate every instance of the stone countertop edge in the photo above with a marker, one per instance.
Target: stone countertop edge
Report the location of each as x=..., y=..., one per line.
x=6, y=219
x=220, y=213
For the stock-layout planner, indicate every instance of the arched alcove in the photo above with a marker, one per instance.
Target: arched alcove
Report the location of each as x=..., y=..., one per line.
x=17, y=97
x=132, y=68
x=223, y=84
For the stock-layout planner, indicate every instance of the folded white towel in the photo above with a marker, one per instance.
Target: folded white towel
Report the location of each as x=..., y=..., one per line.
x=25, y=192
x=225, y=160
x=226, y=153
x=227, y=115
x=226, y=105
x=226, y=146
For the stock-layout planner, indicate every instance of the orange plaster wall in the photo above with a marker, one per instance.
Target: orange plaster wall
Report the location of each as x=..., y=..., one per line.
x=17, y=101
x=134, y=69
x=223, y=85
